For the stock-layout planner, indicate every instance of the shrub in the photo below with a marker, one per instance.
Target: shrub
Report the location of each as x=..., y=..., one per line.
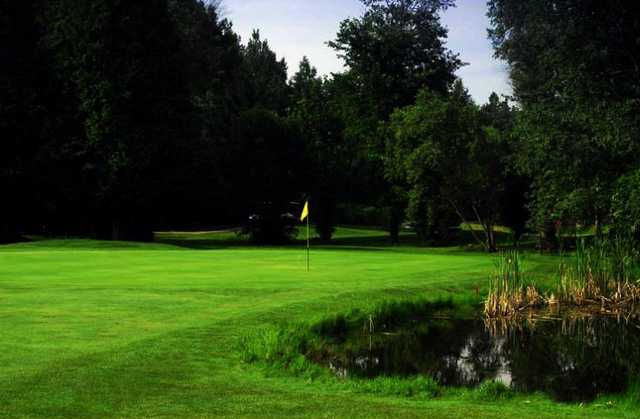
x=493, y=390
x=632, y=396
x=272, y=345
x=270, y=226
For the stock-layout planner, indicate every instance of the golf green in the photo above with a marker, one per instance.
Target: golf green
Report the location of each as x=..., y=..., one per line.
x=99, y=329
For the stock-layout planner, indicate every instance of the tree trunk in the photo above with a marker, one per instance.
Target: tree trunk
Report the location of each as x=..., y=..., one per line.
x=489, y=234
x=464, y=222
x=548, y=237
x=394, y=224
x=115, y=230
x=131, y=230
x=598, y=226
x=491, y=239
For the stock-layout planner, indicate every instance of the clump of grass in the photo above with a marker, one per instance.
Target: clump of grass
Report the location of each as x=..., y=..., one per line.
x=603, y=271
x=281, y=348
x=295, y=347
x=266, y=345
x=493, y=390
x=419, y=386
x=394, y=313
x=632, y=396
x=510, y=291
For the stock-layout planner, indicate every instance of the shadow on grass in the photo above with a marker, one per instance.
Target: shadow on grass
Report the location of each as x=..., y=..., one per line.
x=72, y=244
x=345, y=238
x=210, y=244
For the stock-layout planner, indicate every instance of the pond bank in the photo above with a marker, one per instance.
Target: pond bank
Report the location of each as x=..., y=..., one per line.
x=570, y=355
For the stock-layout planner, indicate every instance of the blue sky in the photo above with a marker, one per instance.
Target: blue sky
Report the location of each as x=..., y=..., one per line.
x=296, y=28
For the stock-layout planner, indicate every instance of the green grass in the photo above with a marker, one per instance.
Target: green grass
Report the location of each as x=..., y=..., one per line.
x=493, y=390
x=100, y=329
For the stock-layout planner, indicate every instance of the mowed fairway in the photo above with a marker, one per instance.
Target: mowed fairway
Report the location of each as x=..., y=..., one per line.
x=94, y=329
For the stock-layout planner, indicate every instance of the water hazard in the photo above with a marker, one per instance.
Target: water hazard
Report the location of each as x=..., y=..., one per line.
x=570, y=357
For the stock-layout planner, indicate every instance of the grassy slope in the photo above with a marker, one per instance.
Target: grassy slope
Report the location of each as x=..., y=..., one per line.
x=98, y=329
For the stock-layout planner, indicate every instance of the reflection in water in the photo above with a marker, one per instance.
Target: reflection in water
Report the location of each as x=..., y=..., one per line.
x=569, y=357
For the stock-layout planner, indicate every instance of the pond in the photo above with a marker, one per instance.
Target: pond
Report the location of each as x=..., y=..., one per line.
x=571, y=357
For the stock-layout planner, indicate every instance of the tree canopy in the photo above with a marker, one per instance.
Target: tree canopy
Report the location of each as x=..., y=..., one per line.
x=575, y=75
x=120, y=118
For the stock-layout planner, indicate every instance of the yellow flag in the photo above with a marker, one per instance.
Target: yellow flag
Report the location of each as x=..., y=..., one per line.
x=305, y=211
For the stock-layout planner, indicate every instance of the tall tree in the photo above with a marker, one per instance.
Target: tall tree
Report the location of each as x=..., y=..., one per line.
x=322, y=130
x=265, y=76
x=448, y=160
x=575, y=73
x=305, y=82
x=268, y=151
x=498, y=118
x=392, y=52
x=397, y=48
x=120, y=60
x=210, y=54
x=22, y=110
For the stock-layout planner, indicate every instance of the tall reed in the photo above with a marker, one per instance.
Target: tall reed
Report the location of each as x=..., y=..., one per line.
x=510, y=291
x=604, y=270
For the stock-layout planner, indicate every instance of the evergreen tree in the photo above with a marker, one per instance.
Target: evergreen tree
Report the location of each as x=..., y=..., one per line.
x=265, y=76
x=119, y=58
x=22, y=111
x=325, y=153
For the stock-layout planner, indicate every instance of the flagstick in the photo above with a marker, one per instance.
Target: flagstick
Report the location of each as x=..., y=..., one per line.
x=307, y=243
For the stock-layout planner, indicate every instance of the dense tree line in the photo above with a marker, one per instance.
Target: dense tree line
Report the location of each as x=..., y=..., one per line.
x=121, y=117
x=454, y=160
x=576, y=77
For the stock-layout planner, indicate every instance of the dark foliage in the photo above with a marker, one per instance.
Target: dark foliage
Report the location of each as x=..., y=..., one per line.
x=392, y=52
x=575, y=73
x=119, y=118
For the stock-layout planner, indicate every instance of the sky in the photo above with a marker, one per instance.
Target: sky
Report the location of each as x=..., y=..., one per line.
x=295, y=28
